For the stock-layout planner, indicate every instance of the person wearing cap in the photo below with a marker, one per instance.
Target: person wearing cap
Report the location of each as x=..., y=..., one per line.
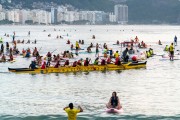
x=72, y=112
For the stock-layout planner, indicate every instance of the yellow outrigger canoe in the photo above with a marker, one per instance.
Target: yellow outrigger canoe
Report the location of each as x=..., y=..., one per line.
x=66, y=69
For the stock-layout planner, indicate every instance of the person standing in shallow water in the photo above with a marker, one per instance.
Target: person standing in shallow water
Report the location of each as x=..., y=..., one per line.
x=175, y=40
x=171, y=52
x=72, y=112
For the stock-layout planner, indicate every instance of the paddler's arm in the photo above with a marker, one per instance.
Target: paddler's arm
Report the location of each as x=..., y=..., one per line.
x=81, y=110
x=65, y=108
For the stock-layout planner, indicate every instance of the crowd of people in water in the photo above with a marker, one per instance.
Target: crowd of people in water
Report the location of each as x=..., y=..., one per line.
x=108, y=54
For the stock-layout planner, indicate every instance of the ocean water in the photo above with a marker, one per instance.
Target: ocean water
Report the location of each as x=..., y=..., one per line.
x=149, y=93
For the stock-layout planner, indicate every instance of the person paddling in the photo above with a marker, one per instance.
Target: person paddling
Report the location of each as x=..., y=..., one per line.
x=57, y=64
x=86, y=62
x=43, y=65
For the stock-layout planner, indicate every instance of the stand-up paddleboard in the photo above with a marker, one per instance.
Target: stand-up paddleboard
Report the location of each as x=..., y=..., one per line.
x=114, y=110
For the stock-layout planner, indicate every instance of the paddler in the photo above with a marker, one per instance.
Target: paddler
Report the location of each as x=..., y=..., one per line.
x=43, y=65
x=28, y=42
x=89, y=49
x=151, y=51
x=175, y=40
x=77, y=45
x=35, y=52
x=105, y=46
x=166, y=48
x=103, y=62
x=7, y=46
x=68, y=42
x=22, y=41
x=111, y=53
x=64, y=54
x=91, y=45
x=72, y=46
x=72, y=112
x=1, y=40
x=114, y=102
x=96, y=61
x=131, y=51
x=57, y=64
x=32, y=65
x=148, y=54
x=108, y=60
x=10, y=51
x=28, y=52
x=71, y=55
x=11, y=57
x=125, y=55
x=86, y=62
x=74, y=64
x=117, y=61
x=105, y=53
x=117, y=42
x=97, y=48
x=23, y=52
x=136, y=39
x=79, y=62
x=66, y=63
x=159, y=42
x=2, y=48
x=48, y=58
x=58, y=57
x=82, y=42
x=171, y=52
x=3, y=58
x=35, y=41
x=67, y=54
x=116, y=54
x=54, y=58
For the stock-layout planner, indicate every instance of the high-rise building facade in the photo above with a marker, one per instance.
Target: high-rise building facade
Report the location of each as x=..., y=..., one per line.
x=121, y=13
x=54, y=15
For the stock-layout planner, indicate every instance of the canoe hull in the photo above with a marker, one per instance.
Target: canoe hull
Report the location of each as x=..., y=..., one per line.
x=66, y=69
